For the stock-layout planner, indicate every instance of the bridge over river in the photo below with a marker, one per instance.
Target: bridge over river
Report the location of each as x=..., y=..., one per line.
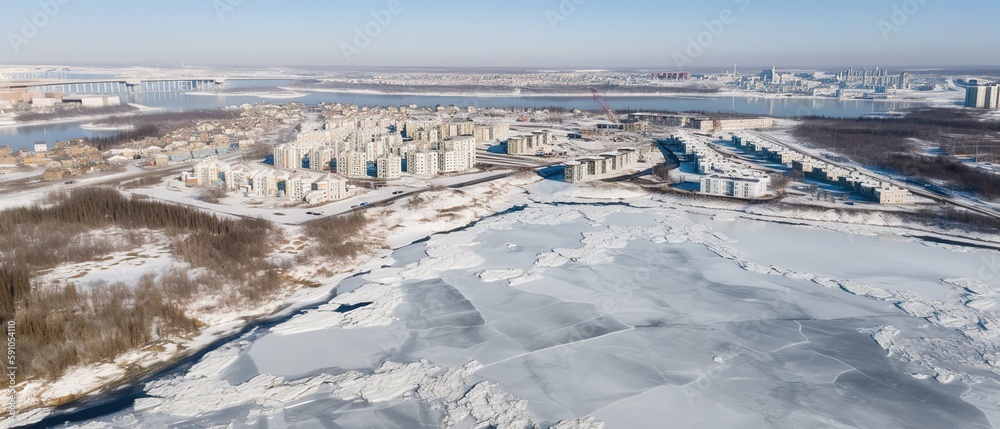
x=118, y=85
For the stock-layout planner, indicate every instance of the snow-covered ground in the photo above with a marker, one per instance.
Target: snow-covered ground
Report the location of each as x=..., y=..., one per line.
x=18, y=175
x=398, y=223
x=607, y=307
x=282, y=211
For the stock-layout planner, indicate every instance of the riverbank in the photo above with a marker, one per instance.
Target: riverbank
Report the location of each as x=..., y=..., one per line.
x=623, y=269
x=404, y=222
x=141, y=110
x=940, y=98
x=399, y=223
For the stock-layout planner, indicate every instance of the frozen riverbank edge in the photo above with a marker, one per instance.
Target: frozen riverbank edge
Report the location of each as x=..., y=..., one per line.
x=84, y=387
x=512, y=193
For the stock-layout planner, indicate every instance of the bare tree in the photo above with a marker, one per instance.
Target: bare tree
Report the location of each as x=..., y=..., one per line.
x=779, y=182
x=212, y=194
x=662, y=172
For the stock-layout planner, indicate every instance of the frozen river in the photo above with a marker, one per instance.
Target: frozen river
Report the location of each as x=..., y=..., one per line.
x=631, y=313
x=256, y=91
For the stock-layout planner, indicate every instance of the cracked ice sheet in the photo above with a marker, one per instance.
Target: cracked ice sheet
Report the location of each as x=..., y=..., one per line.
x=712, y=335
x=810, y=366
x=509, y=328
x=886, y=262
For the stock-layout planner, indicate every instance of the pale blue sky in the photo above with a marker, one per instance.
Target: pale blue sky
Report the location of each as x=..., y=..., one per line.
x=508, y=33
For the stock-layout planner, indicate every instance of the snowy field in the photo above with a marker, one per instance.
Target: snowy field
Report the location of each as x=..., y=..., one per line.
x=619, y=312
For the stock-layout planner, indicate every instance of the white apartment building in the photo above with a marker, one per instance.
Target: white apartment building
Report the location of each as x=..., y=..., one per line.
x=311, y=138
x=297, y=186
x=432, y=135
x=736, y=187
x=237, y=177
x=542, y=138
x=529, y=145
x=288, y=156
x=389, y=167
x=208, y=173
x=353, y=165
x=883, y=193
x=519, y=146
x=576, y=172
x=579, y=170
x=320, y=157
x=326, y=188
x=266, y=182
x=981, y=95
x=262, y=183
x=490, y=133
x=712, y=124
x=422, y=163
x=448, y=162
x=457, y=154
x=465, y=128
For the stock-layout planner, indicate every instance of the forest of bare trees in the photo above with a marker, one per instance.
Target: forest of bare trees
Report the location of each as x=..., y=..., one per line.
x=122, y=137
x=890, y=144
x=62, y=325
x=154, y=125
x=402, y=88
x=337, y=237
x=74, y=112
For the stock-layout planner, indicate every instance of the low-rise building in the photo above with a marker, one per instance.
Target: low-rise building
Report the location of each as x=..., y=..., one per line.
x=736, y=187
x=730, y=123
x=210, y=173
x=581, y=169
x=661, y=119
x=530, y=144
x=576, y=172
x=327, y=188
x=261, y=181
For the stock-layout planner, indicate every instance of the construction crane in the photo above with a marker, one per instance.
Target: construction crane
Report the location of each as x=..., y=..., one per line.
x=612, y=116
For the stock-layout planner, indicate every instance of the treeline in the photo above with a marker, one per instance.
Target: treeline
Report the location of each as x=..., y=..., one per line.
x=889, y=144
x=102, y=207
x=73, y=112
x=337, y=237
x=46, y=236
x=154, y=125
x=951, y=218
x=122, y=137
x=174, y=119
x=958, y=175
x=60, y=326
x=503, y=89
x=142, y=182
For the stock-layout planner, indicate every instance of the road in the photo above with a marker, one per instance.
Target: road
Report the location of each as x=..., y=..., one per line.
x=629, y=177
x=27, y=184
x=919, y=191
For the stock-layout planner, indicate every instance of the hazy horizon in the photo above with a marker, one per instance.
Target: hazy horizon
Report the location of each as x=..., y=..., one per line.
x=563, y=34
